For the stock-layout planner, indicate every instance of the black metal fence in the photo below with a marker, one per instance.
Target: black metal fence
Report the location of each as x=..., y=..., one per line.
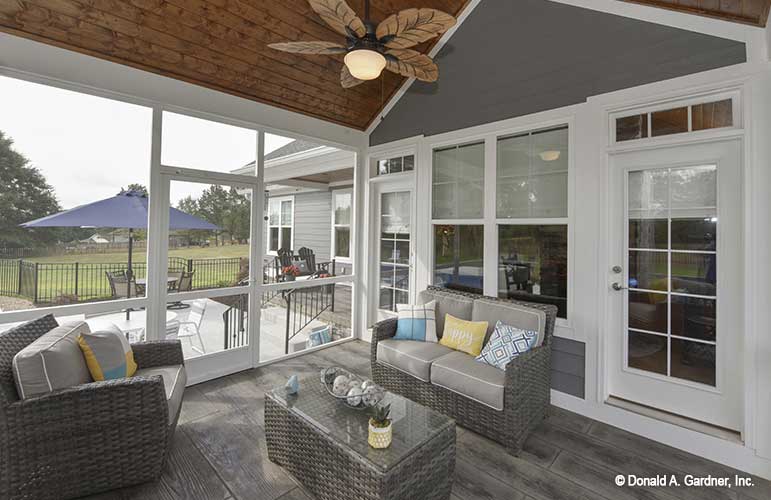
x=68, y=283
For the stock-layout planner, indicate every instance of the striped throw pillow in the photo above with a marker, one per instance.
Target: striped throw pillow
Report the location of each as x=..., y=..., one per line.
x=108, y=354
x=416, y=322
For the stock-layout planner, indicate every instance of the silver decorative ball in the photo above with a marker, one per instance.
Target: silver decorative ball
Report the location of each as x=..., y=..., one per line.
x=354, y=396
x=371, y=396
x=341, y=385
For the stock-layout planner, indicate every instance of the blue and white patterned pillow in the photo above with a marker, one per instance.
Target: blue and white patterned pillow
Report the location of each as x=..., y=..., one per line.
x=506, y=343
x=416, y=322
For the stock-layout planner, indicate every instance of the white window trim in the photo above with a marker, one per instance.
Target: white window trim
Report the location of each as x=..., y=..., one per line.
x=490, y=134
x=268, y=225
x=333, y=247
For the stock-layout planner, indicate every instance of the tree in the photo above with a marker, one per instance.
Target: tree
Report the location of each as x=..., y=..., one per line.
x=139, y=188
x=25, y=195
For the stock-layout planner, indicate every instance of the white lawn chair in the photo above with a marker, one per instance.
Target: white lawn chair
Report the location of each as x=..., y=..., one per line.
x=191, y=327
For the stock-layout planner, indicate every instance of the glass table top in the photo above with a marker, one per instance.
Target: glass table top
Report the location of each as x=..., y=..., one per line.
x=413, y=424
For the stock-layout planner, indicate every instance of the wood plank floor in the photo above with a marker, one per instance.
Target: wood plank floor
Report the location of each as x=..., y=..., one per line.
x=219, y=451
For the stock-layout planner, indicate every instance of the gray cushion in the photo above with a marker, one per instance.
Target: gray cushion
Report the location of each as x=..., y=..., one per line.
x=410, y=356
x=447, y=303
x=53, y=361
x=174, y=381
x=468, y=377
x=525, y=318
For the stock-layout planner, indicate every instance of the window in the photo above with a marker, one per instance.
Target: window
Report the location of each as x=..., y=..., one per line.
x=396, y=165
x=715, y=114
x=458, y=179
x=280, y=215
x=458, y=182
x=532, y=211
x=459, y=257
x=341, y=224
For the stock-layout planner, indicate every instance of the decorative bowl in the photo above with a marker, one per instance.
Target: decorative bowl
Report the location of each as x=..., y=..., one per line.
x=350, y=389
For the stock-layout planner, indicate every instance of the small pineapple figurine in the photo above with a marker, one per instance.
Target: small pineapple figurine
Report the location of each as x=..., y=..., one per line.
x=380, y=429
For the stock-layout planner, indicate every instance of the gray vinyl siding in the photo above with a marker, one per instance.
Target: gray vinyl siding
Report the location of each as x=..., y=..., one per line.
x=312, y=226
x=514, y=58
x=568, y=366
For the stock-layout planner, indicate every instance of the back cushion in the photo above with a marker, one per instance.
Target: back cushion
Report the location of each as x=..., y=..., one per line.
x=54, y=361
x=447, y=303
x=524, y=318
x=11, y=342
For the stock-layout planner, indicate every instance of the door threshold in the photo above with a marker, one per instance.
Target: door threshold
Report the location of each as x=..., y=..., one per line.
x=674, y=419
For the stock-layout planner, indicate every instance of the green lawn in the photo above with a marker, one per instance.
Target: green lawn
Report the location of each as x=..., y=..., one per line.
x=221, y=252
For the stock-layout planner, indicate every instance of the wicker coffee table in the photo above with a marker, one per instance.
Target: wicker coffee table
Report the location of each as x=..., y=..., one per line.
x=324, y=445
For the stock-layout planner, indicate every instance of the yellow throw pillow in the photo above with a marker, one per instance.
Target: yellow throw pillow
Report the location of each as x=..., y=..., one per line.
x=462, y=335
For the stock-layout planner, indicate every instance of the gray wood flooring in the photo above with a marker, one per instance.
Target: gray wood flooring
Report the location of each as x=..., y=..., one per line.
x=219, y=451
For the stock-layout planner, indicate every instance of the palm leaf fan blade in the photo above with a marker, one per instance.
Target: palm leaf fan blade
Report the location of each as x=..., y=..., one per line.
x=413, y=26
x=339, y=15
x=347, y=80
x=309, y=47
x=412, y=64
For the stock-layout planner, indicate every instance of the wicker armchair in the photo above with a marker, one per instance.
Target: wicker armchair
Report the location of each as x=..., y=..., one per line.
x=85, y=439
x=527, y=386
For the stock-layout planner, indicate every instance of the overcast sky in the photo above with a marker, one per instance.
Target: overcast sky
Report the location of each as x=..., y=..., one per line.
x=88, y=147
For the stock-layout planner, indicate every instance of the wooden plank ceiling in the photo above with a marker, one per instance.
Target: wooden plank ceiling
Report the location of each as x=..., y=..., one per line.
x=753, y=12
x=221, y=44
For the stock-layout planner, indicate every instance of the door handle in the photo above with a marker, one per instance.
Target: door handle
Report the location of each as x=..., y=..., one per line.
x=618, y=287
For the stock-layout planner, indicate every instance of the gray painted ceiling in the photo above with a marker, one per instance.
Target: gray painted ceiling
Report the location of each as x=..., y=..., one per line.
x=512, y=58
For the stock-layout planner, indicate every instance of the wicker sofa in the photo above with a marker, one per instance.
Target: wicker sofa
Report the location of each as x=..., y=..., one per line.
x=505, y=405
x=88, y=438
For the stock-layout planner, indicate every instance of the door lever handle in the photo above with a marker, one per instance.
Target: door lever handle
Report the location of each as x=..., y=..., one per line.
x=618, y=287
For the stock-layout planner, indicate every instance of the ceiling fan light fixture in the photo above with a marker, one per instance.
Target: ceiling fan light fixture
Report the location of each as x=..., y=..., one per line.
x=550, y=155
x=365, y=64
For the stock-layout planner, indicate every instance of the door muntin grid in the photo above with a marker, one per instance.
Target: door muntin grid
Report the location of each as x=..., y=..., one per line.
x=394, y=248
x=671, y=254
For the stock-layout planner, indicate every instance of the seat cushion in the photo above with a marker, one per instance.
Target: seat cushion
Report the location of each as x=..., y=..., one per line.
x=466, y=376
x=174, y=381
x=410, y=356
x=108, y=353
x=51, y=362
x=447, y=303
x=524, y=318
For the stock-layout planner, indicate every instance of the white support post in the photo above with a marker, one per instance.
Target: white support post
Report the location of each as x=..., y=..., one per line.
x=157, y=236
x=490, y=285
x=257, y=251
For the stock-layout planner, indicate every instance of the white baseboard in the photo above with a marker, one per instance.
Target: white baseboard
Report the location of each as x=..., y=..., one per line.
x=718, y=450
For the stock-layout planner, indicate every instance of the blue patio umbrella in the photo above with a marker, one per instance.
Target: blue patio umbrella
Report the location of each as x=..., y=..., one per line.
x=126, y=210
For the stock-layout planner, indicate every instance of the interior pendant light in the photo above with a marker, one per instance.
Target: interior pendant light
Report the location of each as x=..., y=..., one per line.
x=550, y=155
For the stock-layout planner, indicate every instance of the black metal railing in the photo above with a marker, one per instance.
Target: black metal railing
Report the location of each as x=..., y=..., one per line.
x=303, y=306
x=235, y=318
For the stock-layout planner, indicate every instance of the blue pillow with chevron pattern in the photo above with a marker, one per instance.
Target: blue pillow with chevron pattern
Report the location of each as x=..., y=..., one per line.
x=506, y=343
x=416, y=322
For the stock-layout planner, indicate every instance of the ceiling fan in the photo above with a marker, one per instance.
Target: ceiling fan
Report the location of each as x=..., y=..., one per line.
x=369, y=49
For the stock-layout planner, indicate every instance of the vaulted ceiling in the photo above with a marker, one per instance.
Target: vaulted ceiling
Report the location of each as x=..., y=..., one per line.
x=222, y=44
x=753, y=12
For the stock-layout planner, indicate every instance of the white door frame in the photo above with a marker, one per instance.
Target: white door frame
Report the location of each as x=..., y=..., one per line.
x=388, y=184
x=730, y=268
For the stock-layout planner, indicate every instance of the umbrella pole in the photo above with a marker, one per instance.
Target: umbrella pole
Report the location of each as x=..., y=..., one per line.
x=129, y=273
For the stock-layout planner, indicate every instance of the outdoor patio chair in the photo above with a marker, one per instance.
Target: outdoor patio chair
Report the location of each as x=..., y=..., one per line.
x=192, y=326
x=88, y=438
x=174, y=285
x=184, y=284
x=120, y=285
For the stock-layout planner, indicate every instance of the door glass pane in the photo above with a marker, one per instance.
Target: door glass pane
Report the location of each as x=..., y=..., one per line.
x=648, y=233
x=394, y=249
x=647, y=352
x=286, y=213
x=343, y=241
x=683, y=270
x=648, y=270
x=273, y=239
x=286, y=237
x=693, y=361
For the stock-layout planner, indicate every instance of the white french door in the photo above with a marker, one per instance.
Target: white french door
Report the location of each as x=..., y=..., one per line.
x=675, y=337
x=394, y=241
